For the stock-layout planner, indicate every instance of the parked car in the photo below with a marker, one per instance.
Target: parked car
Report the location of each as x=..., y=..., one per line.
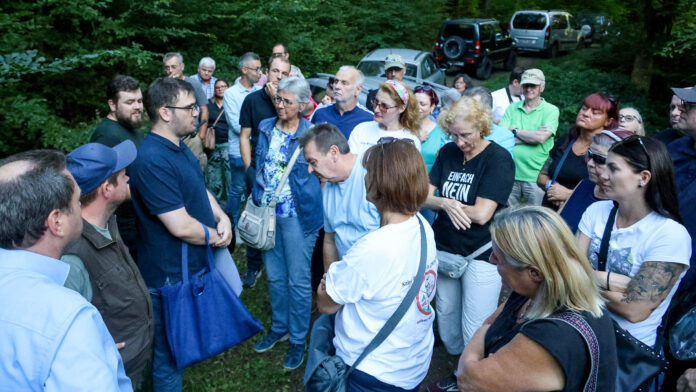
x=475, y=45
x=318, y=81
x=599, y=25
x=419, y=65
x=547, y=31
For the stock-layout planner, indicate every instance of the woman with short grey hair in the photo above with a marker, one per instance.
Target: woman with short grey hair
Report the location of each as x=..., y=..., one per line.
x=298, y=219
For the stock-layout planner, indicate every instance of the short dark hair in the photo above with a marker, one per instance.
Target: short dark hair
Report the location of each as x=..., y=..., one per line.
x=467, y=79
x=120, y=83
x=163, y=92
x=87, y=199
x=647, y=153
x=396, y=178
x=324, y=136
x=246, y=57
x=27, y=199
x=516, y=74
x=285, y=48
x=281, y=58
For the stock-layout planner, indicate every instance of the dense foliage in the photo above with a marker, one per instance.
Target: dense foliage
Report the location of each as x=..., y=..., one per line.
x=56, y=57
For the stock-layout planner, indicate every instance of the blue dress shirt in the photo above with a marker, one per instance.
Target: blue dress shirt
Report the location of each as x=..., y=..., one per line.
x=232, y=103
x=51, y=338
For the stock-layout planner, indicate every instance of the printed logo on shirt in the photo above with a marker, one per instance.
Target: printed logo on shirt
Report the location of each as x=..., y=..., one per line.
x=619, y=260
x=426, y=293
x=457, y=186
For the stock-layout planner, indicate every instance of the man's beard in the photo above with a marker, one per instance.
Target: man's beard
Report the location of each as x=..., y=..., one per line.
x=126, y=122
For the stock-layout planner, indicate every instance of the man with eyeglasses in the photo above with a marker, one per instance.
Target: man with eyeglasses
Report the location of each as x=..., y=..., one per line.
x=204, y=76
x=251, y=70
x=174, y=68
x=345, y=112
x=171, y=204
x=280, y=50
x=256, y=107
x=533, y=122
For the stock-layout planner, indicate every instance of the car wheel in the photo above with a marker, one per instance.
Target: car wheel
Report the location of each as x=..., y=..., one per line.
x=552, y=52
x=484, y=70
x=453, y=47
x=511, y=61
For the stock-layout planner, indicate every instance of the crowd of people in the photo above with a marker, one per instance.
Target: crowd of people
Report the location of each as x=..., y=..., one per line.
x=534, y=248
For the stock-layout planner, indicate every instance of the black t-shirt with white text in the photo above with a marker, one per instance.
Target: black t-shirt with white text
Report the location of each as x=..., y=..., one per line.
x=489, y=175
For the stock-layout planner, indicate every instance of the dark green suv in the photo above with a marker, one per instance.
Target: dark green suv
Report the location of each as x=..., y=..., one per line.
x=475, y=45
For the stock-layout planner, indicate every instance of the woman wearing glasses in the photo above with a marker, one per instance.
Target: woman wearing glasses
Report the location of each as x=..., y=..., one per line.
x=474, y=178
x=396, y=115
x=566, y=166
x=369, y=283
x=298, y=219
x=217, y=172
x=648, y=250
x=630, y=119
x=587, y=191
x=431, y=135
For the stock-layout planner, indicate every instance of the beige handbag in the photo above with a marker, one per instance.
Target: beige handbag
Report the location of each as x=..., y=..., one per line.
x=209, y=143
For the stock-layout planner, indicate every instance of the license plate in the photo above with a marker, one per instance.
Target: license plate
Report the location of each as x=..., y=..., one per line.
x=527, y=41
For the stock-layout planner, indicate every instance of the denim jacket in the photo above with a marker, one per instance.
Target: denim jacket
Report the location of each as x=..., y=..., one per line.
x=304, y=186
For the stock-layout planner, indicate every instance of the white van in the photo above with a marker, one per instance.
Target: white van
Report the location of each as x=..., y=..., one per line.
x=546, y=31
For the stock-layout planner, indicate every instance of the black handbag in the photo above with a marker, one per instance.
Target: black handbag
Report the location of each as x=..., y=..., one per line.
x=639, y=364
x=326, y=371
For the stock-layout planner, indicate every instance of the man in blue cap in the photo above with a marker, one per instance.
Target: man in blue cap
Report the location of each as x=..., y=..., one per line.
x=101, y=268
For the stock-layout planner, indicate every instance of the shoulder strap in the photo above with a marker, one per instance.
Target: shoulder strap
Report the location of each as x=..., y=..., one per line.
x=403, y=307
x=580, y=324
x=604, y=247
x=507, y=91
x=563, y=158
x=218, y=117
x=286, y=174
x=478, y=252
x=184, y=255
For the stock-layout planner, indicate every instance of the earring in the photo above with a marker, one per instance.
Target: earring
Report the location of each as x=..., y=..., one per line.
x=640, y=185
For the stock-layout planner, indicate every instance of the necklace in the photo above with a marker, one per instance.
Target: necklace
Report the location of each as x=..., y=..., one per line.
x=523, y=315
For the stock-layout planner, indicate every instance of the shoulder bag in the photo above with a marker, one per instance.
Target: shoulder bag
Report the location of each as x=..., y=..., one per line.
x=560, y=164
x=326, y=371
x=209, y=142
x=639, y=364
x=455, y=267
x=202, y=314
x=257, y=224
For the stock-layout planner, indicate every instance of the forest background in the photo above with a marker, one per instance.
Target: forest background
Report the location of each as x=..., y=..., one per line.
x=57, y=56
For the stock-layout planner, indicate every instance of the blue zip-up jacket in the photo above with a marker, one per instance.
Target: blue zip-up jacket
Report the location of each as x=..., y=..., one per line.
x=305, y=187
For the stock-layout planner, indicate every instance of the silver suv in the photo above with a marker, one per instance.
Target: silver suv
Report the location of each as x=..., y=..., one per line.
x=547, y=31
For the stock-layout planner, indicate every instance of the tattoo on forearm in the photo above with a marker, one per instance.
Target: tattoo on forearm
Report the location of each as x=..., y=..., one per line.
x=652, y=282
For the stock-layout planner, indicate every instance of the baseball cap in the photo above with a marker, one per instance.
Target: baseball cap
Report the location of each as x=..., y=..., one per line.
x=533, y=76
x=94, y=163
x=685, y=94
x=394, y=60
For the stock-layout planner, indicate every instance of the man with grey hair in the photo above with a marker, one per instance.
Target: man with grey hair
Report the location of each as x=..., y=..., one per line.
x=348, y=216
x=174, y=68
x=51, y=338
x=206, y=68
x=500, y=135
x=345, y=112
x=251, y=70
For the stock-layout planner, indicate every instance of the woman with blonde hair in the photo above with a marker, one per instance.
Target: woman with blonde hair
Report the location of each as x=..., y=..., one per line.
x=474, y=178
x=553, y=333
x=396, y=115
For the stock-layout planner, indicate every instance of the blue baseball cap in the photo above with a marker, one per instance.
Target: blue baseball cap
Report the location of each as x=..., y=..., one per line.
x=94, y=163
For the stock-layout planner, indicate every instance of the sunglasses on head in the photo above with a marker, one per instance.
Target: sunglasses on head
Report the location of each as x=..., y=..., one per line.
x=424, y=88
x=392, y=139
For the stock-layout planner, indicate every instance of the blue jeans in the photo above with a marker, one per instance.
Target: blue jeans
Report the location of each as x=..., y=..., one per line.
x=237, y=186
x=290, y=279
x=165, y=375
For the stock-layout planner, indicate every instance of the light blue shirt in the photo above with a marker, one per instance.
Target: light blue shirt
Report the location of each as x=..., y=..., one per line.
x=502, y=136
x=232, y=104
x=51, y=338
x=208, y=89
x=347, y=213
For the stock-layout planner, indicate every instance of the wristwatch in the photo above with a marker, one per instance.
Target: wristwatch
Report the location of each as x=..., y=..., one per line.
x=514, y=131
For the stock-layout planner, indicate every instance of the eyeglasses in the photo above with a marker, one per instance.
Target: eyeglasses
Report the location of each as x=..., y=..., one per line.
x=257, y=69
x=628, y=117
x=392, y=139
x=221, y=87
x=286, y=102
x=192, y=108
x=597, y=158
x=381, y=105
x=633, y=138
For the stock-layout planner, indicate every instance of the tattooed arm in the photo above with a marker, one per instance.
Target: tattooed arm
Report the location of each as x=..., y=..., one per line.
x=646, y=290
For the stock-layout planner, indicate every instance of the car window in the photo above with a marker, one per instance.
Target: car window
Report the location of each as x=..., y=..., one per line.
x=485, y=31
x=529, y=21
x=465, y=31
x=559, y=22
x=428, y=67
x=572, y=22
x=371, y=68
x=411, y=70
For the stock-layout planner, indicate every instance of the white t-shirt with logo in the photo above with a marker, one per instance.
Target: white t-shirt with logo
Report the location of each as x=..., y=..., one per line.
x=501, y=101
x=653, y=238
x=370, y=282
x=366, y=135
